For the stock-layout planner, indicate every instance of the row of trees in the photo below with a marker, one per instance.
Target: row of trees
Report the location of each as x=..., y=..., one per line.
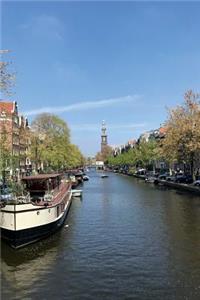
x=143, y=154
x=181, y=143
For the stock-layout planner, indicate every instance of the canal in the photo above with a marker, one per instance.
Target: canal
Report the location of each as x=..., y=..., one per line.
x=125, y=239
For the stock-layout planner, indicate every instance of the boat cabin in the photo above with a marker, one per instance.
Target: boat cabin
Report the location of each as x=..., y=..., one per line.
x=38, y=185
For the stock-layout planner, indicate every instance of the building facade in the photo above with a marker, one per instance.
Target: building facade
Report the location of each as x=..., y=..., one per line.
x=15, y=139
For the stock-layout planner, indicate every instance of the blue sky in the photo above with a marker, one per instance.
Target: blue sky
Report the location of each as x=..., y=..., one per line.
x=122, y=62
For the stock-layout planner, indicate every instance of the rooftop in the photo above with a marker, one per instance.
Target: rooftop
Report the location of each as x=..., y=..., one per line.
x=41, y=176
x=7, y=106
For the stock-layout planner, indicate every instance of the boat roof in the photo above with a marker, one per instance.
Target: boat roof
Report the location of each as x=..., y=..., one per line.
x=41, y=176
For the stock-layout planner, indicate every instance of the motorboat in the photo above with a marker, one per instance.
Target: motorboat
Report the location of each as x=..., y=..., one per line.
x=76, y=193
x=104, y=176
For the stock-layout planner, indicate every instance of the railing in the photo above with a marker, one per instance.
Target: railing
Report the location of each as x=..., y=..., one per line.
x=62, y=191
x=23, y=199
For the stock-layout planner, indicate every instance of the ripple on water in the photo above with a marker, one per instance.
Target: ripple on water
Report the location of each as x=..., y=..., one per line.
x=125, y=240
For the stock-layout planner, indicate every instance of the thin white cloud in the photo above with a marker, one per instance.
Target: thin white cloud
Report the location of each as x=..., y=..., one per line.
x=44, y=26
x=84, y=105
x=96, y=127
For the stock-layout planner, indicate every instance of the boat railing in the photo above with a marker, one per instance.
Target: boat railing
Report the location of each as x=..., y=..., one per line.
x=51, y=197
x=22, y=199
x=62, y=191
x=48, y=197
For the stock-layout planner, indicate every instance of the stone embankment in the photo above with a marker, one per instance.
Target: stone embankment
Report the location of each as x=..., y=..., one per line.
x=179, y=186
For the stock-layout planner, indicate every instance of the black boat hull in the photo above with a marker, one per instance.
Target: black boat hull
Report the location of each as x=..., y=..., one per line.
x=21, y=238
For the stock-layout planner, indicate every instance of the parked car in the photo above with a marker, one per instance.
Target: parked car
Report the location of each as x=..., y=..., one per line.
x=184, y=179
x=163, y=176
x=196, y=183
x=141, y=172
x=152, y=174
x=171, y=178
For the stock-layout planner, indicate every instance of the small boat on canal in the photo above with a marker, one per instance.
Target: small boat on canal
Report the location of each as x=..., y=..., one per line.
x=150, y=179
x=76, y=193
x=104, y=176
x=39, y=213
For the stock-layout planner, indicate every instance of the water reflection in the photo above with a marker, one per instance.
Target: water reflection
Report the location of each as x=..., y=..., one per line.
x=126, y=240
x=22, y=268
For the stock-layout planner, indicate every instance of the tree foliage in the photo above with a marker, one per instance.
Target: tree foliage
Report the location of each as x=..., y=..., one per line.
x=103, y=156
x=50, y=144
x=142, y=155
x=182, y=141
x=5, y=153
x=74, y=157
x=7, y=77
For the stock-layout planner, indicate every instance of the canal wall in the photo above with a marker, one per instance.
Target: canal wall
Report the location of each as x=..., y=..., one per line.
x=174, y=185
x=180, y=186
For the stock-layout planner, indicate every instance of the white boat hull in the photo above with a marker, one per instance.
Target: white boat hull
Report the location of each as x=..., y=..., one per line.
x=22, y=224
x=76, y=193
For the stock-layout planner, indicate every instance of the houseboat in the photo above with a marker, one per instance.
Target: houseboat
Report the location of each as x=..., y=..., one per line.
x=39, y=213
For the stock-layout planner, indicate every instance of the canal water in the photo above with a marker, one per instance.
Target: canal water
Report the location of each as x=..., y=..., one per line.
x=125, y=239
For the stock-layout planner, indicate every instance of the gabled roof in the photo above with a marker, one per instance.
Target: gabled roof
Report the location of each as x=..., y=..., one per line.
x=132, y=142
x=162, y=130
x=8, y=107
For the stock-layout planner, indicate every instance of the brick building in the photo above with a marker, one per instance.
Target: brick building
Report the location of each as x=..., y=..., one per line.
x=14, y=130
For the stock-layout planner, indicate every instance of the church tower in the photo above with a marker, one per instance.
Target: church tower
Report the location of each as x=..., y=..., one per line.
x=104, y=141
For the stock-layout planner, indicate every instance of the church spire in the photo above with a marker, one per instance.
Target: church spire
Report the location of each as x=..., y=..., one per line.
x=104, y=141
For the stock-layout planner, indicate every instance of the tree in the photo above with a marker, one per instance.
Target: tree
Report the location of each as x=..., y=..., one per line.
x=74, y=157
x=50, y=139
x=7, y=77
x=50, y=144
x=104, y=154
x=5, y=154
x=146, y=153
x=142, y=155
x=182, y=141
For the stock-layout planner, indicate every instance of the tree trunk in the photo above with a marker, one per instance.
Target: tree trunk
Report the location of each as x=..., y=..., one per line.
x=192, y=164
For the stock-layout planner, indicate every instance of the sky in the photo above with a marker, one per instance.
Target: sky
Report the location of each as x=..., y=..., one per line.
x=122, y=62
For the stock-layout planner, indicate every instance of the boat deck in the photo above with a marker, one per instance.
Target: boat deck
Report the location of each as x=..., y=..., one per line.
x=57, y=196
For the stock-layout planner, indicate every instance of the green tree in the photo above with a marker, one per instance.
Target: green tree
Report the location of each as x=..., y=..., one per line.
x=50, y=139
x=74, y=157
x=50, y=144
x=142, y=155
x=146, y=153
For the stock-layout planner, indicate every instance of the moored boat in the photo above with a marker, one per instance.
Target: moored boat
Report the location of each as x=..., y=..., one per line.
x=150, y=179
x=76, y=193
x=104, y=176
x=39, y=213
